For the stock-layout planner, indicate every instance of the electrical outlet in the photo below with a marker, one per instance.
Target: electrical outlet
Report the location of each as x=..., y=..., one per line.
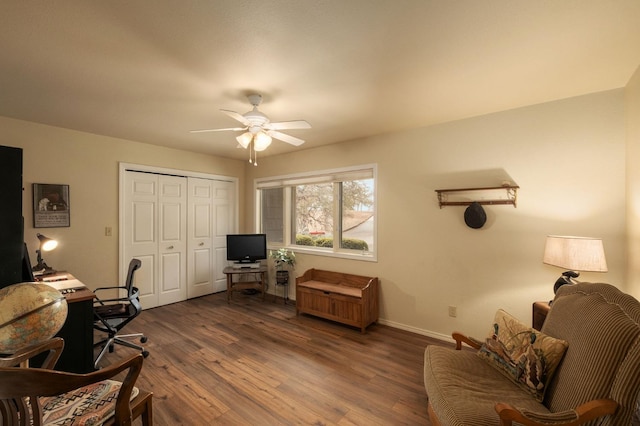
x=453, y=311
x=107, y=231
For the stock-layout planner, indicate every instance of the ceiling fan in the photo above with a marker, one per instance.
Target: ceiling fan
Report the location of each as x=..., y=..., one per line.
x=259, y=130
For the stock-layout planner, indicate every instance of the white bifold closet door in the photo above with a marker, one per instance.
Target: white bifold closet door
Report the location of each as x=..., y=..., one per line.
x=210, y=206
x=177, y=227
x=155, y=231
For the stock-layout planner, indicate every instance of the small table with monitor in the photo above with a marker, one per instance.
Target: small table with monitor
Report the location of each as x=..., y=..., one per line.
x=247, y=279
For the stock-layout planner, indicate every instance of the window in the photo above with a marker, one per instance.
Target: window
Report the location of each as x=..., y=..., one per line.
x=326, y=212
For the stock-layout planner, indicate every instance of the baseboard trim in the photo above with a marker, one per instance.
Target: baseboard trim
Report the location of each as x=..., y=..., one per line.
x=428, y=333
x=416, y=330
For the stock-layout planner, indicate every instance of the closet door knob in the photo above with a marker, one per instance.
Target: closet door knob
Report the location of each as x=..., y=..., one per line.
x=170, y=248
x=201, y=244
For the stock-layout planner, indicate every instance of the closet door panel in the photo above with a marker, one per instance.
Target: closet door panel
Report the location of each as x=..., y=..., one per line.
x=202, y=269
x=145, y=278
x=144, y=223
x=200, y=263
x=170, y=270
x=172, y=242
x=140, y=239
x=224, y=220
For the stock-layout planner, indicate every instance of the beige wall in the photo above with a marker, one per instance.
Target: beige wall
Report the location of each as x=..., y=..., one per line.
x=89, y=164
x=568, y=158
x=633, y=184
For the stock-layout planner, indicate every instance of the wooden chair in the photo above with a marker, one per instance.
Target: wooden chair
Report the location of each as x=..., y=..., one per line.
x=29, y=396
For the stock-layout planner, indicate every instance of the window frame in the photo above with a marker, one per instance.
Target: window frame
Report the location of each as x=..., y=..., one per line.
x=290, y=181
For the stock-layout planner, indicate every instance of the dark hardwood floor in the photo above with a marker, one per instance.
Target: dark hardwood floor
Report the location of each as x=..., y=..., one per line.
x=257, y=363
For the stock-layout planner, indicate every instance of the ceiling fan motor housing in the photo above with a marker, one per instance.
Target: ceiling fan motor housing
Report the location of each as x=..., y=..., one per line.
x=256, y=118
x=255, y=99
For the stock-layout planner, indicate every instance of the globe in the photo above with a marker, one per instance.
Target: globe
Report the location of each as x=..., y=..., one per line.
x=30, y=313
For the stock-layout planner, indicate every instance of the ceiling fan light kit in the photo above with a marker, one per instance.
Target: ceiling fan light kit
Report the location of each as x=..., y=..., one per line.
x=261, y=141
x=244, y=139
x=259, y=130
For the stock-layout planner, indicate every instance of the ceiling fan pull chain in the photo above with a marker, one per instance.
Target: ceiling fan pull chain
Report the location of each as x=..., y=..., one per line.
x=255, y=157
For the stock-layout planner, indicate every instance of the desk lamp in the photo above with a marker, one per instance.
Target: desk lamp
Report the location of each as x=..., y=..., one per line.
x=574, y=254
x=46, y=244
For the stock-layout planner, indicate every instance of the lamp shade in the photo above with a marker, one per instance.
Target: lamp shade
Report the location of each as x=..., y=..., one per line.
x=575, y=253
x=30, y=313
x=46, y=243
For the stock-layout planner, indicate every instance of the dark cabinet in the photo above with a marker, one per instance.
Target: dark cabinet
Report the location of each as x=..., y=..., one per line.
x=77, y=332
x=11, y=223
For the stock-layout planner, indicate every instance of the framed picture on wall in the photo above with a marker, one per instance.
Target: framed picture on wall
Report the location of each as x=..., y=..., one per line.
x=51, y=206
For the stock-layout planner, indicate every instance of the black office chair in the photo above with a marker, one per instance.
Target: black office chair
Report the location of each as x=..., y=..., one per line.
x=112, y=315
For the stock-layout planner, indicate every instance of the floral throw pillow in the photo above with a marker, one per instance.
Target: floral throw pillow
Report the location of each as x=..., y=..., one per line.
x=526, y=356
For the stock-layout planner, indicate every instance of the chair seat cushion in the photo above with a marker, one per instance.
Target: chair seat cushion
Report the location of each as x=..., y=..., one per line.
x=87, y=406
x=463, y=389
x=115, y=310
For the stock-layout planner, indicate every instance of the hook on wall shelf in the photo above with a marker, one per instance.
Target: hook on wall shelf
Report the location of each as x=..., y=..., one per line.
x=511, y=192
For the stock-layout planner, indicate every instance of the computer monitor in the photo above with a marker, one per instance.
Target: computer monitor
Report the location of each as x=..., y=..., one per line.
x=246, y=248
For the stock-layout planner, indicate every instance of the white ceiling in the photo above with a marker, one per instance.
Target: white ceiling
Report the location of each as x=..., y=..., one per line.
x=151, y=70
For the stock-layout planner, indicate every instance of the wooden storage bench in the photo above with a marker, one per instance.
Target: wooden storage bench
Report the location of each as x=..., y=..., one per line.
x=345, y=298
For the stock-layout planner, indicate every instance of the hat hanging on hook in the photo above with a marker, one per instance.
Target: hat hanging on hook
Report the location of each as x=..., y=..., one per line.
x=475, y=216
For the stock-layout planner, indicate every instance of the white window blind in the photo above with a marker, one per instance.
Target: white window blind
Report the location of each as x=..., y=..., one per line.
x=316, y=178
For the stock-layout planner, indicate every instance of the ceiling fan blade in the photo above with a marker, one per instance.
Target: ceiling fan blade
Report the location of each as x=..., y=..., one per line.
x=295, y=124
x=235, y=129
x=285, y=138
x=237, y=116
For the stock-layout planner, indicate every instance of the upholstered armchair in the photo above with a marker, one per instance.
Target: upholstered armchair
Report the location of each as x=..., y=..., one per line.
x=597, y=379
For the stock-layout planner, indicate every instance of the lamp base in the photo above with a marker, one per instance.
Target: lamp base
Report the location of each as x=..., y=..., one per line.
x=43, y=269
x=566, y=278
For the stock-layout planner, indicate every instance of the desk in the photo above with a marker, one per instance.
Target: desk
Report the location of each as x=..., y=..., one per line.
x=77, y=331
x=259, y=280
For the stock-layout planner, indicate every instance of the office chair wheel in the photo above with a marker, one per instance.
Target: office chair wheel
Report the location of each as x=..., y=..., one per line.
x=145, y=354
x=143, y=339
x=111, y=348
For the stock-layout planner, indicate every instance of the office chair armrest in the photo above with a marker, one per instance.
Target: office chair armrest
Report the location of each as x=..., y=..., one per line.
x=101, y=301
x=133, y=296
x=98, y=301
x=110, y=288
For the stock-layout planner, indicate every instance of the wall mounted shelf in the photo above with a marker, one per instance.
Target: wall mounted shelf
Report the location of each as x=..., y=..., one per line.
x=511, y=192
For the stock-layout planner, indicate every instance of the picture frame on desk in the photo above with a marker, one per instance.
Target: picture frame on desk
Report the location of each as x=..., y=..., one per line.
x=51, y=206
